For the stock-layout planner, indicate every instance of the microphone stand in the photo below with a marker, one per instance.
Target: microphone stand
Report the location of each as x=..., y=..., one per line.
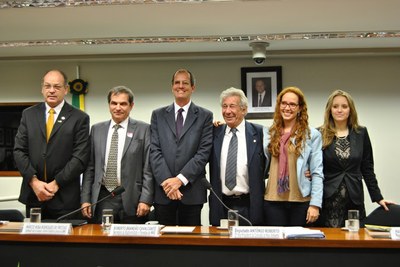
x=209, y=187
x=115, y=192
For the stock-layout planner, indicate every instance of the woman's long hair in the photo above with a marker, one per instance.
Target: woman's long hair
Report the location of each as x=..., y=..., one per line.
x=328, y=129
x=300, y=131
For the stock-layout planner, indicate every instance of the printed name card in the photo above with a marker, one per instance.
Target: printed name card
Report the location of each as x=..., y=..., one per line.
x=257, y=232
x=47, y=228
x=135, y=230
x=395, y=233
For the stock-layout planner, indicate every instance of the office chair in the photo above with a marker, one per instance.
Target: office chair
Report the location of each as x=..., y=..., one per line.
x=379, y=216
x=11, y=215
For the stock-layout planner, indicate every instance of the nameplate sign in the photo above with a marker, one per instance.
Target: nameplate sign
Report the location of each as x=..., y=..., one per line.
x=135, y=230
x=395, y=233
x=257, y=232
x=47, y=228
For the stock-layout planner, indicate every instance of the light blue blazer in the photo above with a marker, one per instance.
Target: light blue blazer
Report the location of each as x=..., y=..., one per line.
x=309, y=159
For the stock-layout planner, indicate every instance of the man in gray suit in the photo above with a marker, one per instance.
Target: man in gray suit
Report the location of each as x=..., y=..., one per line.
x=133, y=168
x=181, y=139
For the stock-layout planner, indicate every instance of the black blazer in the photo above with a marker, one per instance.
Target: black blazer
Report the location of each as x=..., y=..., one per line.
x=66, y=154
x=359, y=165
x=256, y=173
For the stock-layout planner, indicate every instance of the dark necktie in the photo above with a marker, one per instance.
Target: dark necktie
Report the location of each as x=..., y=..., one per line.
x=231, y=161
x=110, y=180
x=259, y=100
x=179, y=123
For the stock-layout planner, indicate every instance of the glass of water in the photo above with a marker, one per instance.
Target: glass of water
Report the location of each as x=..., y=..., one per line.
x=107, y=219
x=36, y=215
x=233, y=220
x=354, y=220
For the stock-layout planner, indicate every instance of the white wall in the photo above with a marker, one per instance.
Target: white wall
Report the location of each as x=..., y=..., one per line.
x=373, y=81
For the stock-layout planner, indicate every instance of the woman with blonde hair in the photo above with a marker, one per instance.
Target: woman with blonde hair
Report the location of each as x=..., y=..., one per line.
x=347, y=159
x=292, y=148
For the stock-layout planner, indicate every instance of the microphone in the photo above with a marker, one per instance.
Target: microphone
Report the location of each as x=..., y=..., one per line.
x=117, y=191
x=207, y=185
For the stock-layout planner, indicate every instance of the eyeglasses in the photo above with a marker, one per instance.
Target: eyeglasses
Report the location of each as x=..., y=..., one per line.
x=56, y=87
x=284, y=104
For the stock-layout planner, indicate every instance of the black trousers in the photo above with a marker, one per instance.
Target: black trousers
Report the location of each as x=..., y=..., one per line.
x=115, y=203
x=284, y=213
x=52, y=214
x=177, y=213
x=241, y=204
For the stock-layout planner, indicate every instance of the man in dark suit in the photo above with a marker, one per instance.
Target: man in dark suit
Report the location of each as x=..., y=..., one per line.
x=247, y=191
x=181, y=139
x=133, y=172
x=262, y=92
x=52, y=150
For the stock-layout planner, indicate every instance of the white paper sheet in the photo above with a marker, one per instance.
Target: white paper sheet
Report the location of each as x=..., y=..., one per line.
x=178, y=229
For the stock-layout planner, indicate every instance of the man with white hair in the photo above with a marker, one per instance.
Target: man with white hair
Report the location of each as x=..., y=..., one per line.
x=237, y=162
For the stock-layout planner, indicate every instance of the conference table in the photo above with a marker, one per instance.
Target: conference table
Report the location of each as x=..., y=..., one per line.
x=87, y=245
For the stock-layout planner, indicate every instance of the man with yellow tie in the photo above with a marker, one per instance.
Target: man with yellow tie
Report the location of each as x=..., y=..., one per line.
x=52, y=150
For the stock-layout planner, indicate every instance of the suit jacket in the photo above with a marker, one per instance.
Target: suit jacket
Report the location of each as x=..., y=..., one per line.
x=136, y=176
x=267, y=101
x=310, y=159
x=256, y=173
x=188, y=155
x=66, y=154
x=359, y=165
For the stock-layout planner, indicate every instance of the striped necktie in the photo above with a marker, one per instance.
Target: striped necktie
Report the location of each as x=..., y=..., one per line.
x=231, y=161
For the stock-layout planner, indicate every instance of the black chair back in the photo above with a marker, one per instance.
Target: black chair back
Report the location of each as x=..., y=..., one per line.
x=11, y=215
x=385, y=218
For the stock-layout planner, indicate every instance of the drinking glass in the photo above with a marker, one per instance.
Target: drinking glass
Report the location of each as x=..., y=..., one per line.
x=353, y=219
x=107, y=219
x=233, y=220
x=36, y=215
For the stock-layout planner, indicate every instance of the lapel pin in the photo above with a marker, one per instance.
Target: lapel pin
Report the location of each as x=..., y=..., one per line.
x=129, y=134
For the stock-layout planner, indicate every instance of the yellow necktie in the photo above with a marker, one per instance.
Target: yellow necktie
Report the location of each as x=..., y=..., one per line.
x=50, y=124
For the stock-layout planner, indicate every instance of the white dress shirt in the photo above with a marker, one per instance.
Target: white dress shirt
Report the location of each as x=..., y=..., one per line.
x=242, y=179
x=57, y=111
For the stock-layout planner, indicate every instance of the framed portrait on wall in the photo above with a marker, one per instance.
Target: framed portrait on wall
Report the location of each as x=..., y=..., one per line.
x=261, y=86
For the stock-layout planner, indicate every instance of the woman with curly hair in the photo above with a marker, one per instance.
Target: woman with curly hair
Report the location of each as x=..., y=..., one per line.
x=348, y=158
x=292, y=148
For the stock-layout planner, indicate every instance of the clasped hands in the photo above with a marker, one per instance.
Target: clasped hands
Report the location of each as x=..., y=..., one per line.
x=44, y=191
x=171, y=188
